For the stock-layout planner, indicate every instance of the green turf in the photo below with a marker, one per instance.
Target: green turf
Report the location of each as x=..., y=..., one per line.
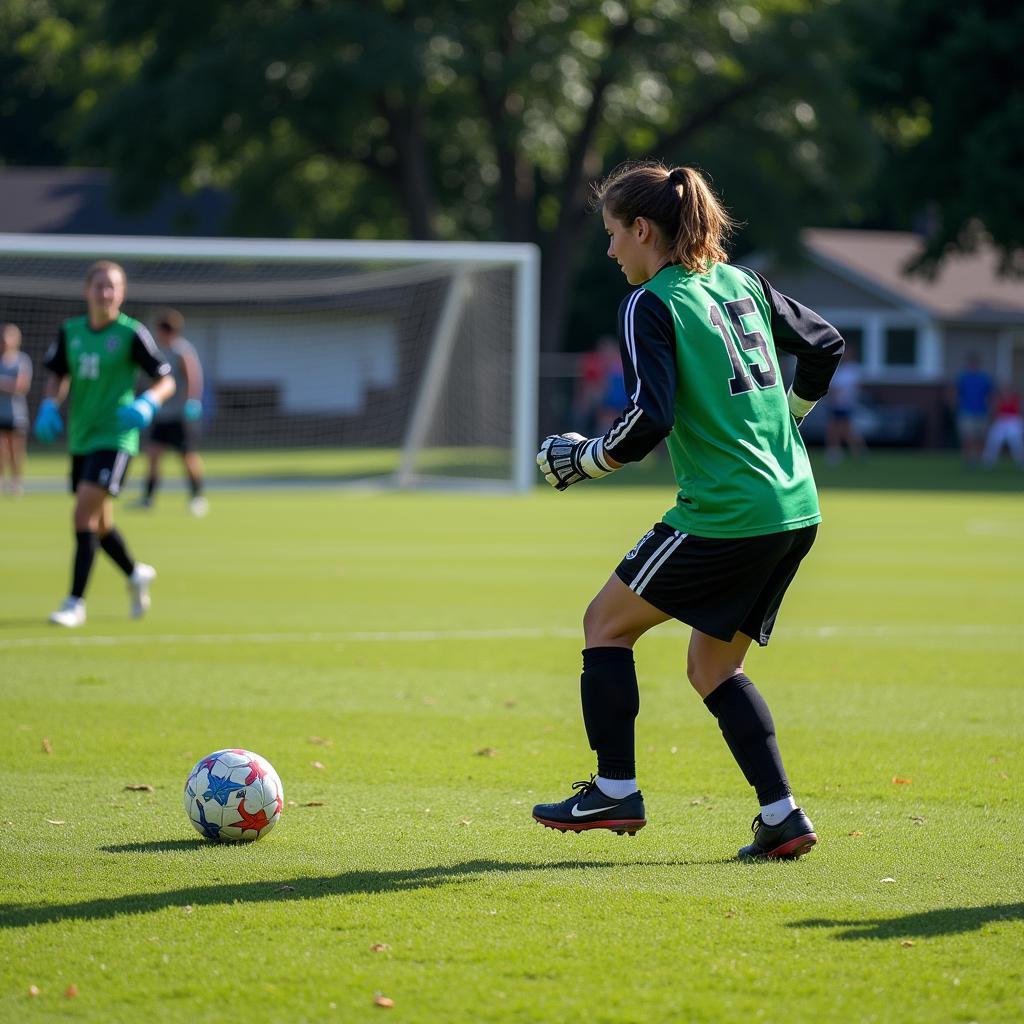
x=372, y=646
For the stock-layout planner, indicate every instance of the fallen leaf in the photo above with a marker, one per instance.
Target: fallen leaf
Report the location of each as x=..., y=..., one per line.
x=285, y=888
x=140, y=787
x=856, y=835
x=56, y=821
x=917, y=819
x=466, y=821
x=487, y=752
x=188, y=908
x=511, y=703
x=47, y=746
x=383, y=1001
x=316, y=764
x=697, y=802
x=71, y=991
x=887, y=879
x=320, y=741
x=312, y=803
x=673, y=750
x=379, y=947
x=33, y=991
x=898, y=780
x=730, y=912
x=907, y=942
x=292, y=803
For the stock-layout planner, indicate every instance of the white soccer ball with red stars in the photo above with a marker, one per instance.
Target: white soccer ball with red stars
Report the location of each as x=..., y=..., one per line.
x=233, y=796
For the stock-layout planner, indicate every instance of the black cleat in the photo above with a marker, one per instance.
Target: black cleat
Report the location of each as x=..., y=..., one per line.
x=590, y=808
x=791, y=838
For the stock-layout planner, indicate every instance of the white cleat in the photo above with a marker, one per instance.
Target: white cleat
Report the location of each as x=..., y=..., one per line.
x=138, y=588
x=199, y=506
x=70, y=614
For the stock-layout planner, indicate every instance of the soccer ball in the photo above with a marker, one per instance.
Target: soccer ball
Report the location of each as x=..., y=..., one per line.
x=233, y=796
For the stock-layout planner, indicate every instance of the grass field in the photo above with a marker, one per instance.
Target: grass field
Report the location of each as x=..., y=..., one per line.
x=410, y=665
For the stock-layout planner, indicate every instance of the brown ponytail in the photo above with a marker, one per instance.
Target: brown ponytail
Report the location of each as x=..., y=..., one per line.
x=679, y=201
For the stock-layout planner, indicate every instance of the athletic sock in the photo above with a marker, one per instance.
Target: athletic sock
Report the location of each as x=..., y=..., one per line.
x=749, y=730
x=616, y=789
x=113, y=544
x=777, y=812
x=196, y=484
x=85, y=552
x=151, y=483
x=611, y=702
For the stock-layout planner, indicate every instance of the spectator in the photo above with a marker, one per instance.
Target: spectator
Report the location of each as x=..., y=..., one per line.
x=973, y=393
x=1007, y=428
x=843, y=396
x=15, y=380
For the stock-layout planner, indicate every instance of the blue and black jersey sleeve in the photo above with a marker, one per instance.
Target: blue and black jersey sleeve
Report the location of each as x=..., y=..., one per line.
x=147, y=356
x=647, y=342
x=817, y=345
x=56, y=358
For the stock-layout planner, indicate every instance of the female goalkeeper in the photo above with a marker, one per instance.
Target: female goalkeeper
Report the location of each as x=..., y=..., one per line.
x=95, y=359
x=699, y=340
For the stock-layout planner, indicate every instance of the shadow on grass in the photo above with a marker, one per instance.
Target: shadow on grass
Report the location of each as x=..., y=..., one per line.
x=927, y=924
x=157, y=846
x=348, y=883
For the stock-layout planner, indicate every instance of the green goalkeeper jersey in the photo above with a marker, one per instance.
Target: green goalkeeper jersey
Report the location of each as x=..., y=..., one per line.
x=700, y=359
x=102, y=366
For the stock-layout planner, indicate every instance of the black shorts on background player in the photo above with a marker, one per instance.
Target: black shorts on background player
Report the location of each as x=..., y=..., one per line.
x=176, y=434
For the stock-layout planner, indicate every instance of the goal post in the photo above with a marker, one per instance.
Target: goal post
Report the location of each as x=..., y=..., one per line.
x=415, y=362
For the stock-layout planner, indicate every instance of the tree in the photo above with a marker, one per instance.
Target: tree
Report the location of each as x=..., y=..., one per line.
x=475, y=118
x=944, y=81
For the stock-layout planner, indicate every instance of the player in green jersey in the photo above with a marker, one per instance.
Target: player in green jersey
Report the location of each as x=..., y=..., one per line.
x=699, y=340
x=95, y=360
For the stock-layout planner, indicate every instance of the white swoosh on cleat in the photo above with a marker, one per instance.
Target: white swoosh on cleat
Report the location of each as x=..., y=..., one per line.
x=577, y=813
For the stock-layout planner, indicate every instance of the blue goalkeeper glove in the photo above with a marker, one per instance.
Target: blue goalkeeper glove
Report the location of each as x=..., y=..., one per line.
x=566, y=459
x=193, y=410
x=49, y=424
x=139, y=414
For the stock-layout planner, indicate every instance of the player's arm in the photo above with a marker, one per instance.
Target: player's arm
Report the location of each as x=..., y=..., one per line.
x=648, y=349
x=49, y=424
x=817, y=345
x=146, y=355
x=193, y=383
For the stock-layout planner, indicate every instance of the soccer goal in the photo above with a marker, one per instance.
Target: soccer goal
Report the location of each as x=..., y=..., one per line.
x=411, y=362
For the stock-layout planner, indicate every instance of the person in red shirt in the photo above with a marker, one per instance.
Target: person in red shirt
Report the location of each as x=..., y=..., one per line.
x=1007, y=428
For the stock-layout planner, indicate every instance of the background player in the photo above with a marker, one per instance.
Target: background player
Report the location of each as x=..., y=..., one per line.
x=94, y=360
x=15, y=380
x=698, y=341
x=175, y=422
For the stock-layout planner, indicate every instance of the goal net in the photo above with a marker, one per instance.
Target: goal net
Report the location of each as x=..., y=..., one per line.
x=412, y=362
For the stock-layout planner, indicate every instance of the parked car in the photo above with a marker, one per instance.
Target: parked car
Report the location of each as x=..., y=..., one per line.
x=880, y=425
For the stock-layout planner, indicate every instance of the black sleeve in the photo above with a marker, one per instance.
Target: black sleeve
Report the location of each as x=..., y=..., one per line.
x=56, y=358
x=817, y=345
x=647, y=342
x=146, y=354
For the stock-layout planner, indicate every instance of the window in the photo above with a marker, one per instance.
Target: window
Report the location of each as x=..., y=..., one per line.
x=900, y=346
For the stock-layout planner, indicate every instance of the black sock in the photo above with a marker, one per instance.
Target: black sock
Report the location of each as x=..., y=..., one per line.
x=748, y=728
x=196, y=483
x=85, y=552
x=611, y=702
x=151, y=483
x=113, y=544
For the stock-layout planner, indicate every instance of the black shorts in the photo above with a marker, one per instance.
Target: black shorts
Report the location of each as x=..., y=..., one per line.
x=720, y=586
x=9, y=425
x=175, y=434
x=106, y=468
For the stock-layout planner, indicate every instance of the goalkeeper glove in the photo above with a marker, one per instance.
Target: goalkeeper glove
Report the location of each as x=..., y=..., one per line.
x=49, y=425
x=139, y=414
x=566, y=459
x=799, y=407
x=193, y=410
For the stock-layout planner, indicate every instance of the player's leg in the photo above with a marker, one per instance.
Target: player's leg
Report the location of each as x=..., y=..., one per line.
x=6, y=457
x=154, y=453
x=198, y=505
x=86, y=516
x=17, y=459
x=614, y=621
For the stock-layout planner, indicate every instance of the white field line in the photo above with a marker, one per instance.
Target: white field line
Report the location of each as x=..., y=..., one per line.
x=923, y=631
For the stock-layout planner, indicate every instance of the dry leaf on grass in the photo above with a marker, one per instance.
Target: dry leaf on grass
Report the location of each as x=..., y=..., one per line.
x=316, y=764
x=856, y=834
x=487, y=752
x=140, y=787
x=887, y=879
x=380, y=947
x=55, y=821
x=33, y=991
x=907, y=942
x=319, y=741
x=71, y=991
x=384, y=1001
x=466, y=821
x=47, y=746
x=898, y=780
x=917, y=819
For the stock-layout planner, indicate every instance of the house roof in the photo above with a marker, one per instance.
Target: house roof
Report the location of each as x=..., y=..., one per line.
x=78, y=201
x=967, y=287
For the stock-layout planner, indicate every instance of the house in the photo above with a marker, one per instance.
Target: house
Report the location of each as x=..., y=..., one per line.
x=912, y=333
